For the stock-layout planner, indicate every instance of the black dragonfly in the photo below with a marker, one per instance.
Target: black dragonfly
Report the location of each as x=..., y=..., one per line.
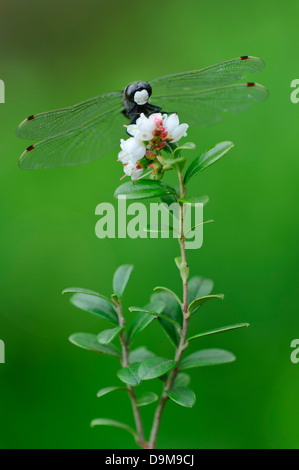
x=90, y=129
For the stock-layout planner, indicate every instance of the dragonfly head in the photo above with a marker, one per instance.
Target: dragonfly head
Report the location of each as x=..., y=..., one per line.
x=138, y=92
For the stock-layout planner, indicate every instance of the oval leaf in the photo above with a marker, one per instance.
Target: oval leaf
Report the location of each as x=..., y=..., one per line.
x=153, y=368
x=81, y=290
x=116, y=424
x=155, y=314
x=143, y=189
x=105, y=391
x=198, y=287
x=97, y=305
x=165, y=289
x=89, y=341
x=181, y=380
x=142, y=320
x=129, y=375
x=207, y=159
x=201, y=300
x=106, y=336
x=186, y=146
x=121, y=278
x=182, y=396
x=147, y=399
x=203, y=199
x=140, y=354
x=172, y=310
x=219, y=330
x=207, y=357
x=175, y=163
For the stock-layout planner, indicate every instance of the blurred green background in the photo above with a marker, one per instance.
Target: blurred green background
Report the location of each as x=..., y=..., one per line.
x=56, y=53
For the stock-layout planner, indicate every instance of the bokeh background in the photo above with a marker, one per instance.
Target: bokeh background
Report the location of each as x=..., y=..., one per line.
x=56, y=53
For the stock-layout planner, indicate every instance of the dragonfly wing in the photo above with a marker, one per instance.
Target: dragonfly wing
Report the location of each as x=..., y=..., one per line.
x=44, y=125
x=78, y=145
x=217, y=75
x=208, y=107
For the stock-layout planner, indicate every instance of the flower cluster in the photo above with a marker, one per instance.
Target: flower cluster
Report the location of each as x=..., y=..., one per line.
x=149, y=136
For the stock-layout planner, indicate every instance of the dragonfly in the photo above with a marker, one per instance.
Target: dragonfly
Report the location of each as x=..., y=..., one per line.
x=91, y=129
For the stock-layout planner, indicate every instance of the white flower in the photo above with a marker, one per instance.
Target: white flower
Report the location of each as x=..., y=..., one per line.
x=175, y=130
x=133, y=170
x=132, y=150
x=167, y=128
x=143, y=129
x=149, y=136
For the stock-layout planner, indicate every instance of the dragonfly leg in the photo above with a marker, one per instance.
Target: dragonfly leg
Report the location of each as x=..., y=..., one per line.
x=151, y=109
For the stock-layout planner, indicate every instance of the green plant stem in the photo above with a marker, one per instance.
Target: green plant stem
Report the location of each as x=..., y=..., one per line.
x=183, y=336
x=131, y=391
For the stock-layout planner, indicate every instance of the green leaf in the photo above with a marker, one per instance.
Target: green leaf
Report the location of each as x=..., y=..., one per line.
x=203, y=199
x=173, y=211
x=97, y=305
x=129, y=375
x=199, y=287
x=186, y=146
x=219, y=330
x=176, y=163
x=142, y=320
x=144, y=189
x=105, y=391
x=106, y=336
x=147, y=399
x=172, y=310
x=178, y=261
x=140, y=354
x=207, y=357
x=89, y=341
x=168, y=200
x=201, y=300
x=81, y=290
x=181, y=380
x=153, y=368
x=197, y=225
x=121, y=278
x=165, y=289
x=207, y=159
x=182, y=396
x=169, y=148
x=117, y=424
x=155, y=314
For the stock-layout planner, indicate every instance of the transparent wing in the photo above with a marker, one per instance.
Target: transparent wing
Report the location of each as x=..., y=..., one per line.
x=78, y=145
x=208, y=107
x=225, y=73
x=44, y=125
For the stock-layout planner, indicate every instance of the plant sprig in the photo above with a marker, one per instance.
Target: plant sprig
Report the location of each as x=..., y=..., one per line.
x=173, y=312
